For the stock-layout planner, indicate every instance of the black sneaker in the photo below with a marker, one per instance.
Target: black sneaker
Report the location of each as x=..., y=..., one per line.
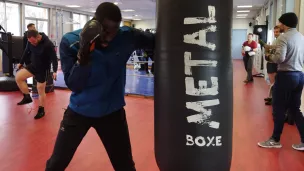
x=39, y=115
x=248, y=81
x=26, y=100
x=269, y=103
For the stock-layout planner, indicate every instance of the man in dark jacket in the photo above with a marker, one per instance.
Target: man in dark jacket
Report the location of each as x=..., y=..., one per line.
x=30, y=26
x=95, y=70
x=43, y=54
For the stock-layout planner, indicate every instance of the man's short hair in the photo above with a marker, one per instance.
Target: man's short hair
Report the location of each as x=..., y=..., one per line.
x=32, y=33
x=30, y=25
x=250, y=34
x=108, y=10
x=276, y=28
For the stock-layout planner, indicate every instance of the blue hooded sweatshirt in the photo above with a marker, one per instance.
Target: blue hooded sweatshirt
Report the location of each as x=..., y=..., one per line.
x=99, y=88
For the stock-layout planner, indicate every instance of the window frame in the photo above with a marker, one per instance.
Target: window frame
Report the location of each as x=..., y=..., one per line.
x=78, y=22
x=37, y=19
x=5, y=15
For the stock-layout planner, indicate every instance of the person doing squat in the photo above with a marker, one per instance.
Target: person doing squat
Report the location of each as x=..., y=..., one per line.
x=43, y=55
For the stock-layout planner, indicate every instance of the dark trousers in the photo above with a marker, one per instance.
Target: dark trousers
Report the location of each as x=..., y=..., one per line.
x=147, y=65
x=287, y=92
x=248, y=63
x=112, y=130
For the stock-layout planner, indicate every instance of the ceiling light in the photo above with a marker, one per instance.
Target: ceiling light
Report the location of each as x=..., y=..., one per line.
x=128, y=10
x=93, y=11
x=72, y=6
x=243, y=11
x=242, y=15
x=127, y=17
x=116, y=3
x=245, y=6
x=136, y=19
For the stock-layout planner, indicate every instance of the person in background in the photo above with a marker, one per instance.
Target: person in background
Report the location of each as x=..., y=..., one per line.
x=289, y=81
x=43, y=55
x=30, y=26
x=149, y=54
x=95, y=71
x=271, y=66
x=248, y=51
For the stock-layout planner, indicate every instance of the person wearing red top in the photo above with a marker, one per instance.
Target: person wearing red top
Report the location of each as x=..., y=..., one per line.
x=248, y=51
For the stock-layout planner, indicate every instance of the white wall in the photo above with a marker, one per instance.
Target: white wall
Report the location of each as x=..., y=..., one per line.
x=301, y=18
x=145, y=24
x=242, y=24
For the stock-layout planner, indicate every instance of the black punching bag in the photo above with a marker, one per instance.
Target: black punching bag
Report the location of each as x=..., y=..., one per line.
x=193, y=85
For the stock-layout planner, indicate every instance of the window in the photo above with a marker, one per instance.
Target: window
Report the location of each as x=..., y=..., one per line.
x=80, y=20
x=13, y=18
x=38, y=16
x=42, y=26
x=2, y=14
x=10, y=17
x=83, y=20
x=36, y=12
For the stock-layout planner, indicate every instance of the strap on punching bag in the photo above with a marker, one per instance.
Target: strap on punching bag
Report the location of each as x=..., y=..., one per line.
x=193, y=85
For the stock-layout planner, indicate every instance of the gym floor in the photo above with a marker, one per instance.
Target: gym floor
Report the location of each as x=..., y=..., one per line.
x=26, y=144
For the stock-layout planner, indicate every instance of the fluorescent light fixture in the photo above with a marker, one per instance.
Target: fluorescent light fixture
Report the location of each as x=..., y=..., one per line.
x=116, y=3
x=127, y=10
x=73, y=6
x=245, y=6
x=242, y=15
x=127, y=17
x=244, y=11
x=137, y=19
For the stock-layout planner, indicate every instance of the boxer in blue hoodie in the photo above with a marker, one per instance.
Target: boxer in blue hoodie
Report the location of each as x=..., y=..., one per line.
x=43, y=54
x=93, y=61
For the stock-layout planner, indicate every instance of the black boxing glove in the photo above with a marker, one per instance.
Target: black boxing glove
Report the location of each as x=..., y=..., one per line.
x=268, y=57
x=262, y=43
x=91, y=32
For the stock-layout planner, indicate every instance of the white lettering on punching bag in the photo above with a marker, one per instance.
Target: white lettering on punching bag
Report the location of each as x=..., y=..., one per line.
x=202, y=90
x=204, y=141
x=198, y=20
x=192, y=63
x=204, y=115
x=199, y=38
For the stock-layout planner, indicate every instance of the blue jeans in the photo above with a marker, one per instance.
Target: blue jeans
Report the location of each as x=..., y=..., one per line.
x=287, y=92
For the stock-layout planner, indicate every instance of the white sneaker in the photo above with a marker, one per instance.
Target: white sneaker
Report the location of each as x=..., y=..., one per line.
x=271, y=143
x=299, y=147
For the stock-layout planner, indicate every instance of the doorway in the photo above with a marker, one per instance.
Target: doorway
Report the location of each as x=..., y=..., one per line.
x=239, y=36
